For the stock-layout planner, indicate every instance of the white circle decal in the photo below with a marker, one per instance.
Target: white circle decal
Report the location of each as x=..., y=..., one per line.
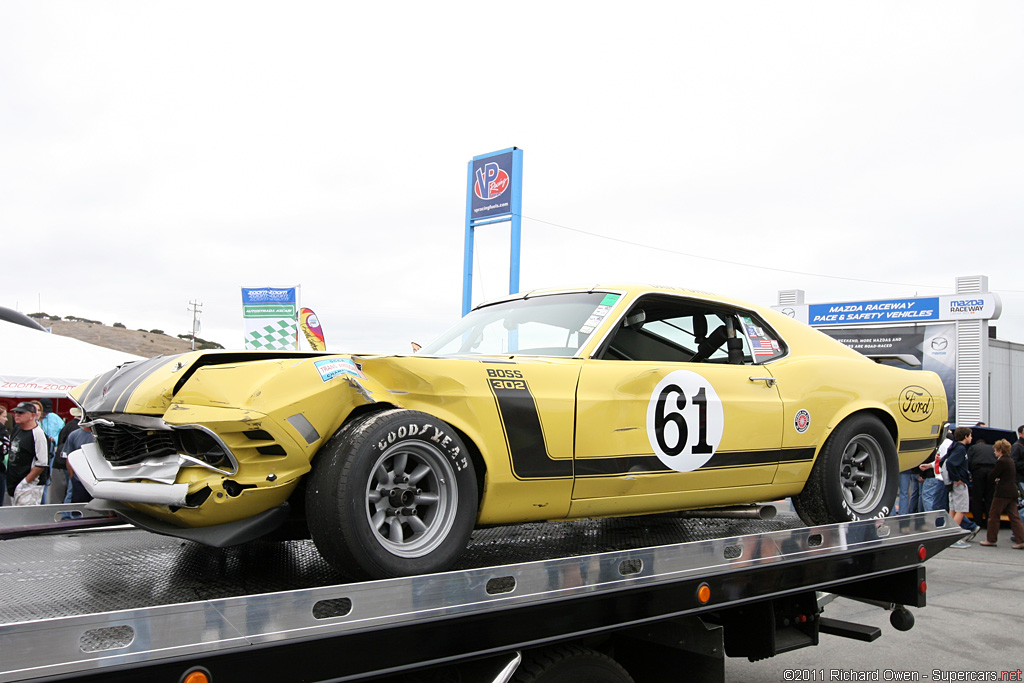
x=685, y=420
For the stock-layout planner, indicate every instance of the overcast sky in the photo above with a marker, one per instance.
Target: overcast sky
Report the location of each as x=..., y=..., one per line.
x=153, y=153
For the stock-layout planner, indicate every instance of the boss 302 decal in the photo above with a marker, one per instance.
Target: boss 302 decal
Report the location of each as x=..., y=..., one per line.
x=523, y=431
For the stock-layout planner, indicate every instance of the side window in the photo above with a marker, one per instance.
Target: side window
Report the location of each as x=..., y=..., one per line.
x=682, y=331
x=763, y=343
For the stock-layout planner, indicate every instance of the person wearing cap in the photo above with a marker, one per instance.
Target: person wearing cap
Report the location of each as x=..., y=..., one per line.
x=28, y=460
x=59, y=481
x=51, y=423
x=77, y=439
x=5, y=446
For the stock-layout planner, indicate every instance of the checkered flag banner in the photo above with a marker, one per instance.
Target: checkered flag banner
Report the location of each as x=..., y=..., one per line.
x=270, y=317
x=278, y=336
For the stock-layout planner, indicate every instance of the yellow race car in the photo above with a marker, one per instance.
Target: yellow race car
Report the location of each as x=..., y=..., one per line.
x=608, y=401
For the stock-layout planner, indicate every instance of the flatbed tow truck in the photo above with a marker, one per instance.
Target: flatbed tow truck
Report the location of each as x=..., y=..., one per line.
x=613, y=600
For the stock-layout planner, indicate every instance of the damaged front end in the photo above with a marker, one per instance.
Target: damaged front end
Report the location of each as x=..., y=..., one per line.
x=208, y=446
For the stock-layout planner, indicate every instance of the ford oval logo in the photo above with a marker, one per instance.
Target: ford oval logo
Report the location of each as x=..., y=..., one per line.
x=916, y=403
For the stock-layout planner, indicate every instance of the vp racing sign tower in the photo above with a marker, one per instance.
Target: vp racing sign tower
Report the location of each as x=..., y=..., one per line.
x=494, y=194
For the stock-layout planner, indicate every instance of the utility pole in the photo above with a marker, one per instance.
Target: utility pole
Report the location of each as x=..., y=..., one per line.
x=196, y=307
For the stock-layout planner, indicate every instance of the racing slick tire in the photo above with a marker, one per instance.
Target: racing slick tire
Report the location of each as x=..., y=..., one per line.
x=854, y=477
x=569, y=664
x=392, y=494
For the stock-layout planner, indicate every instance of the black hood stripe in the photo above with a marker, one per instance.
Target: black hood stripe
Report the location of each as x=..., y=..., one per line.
x=145, y=370
x=116, y=387
x=95, y=387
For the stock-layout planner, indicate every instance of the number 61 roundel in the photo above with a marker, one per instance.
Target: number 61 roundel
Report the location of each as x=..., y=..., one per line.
x=685, y=420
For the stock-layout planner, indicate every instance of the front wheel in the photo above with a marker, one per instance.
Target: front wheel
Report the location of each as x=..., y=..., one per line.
x=855, y=476
x=394, y=494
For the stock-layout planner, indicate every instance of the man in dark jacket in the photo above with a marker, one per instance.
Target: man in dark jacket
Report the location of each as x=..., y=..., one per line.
x=960, y=478
x=981, y=458
x=1017, y=454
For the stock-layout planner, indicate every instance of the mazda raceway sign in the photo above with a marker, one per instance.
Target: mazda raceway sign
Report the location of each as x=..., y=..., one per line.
x=977, y=306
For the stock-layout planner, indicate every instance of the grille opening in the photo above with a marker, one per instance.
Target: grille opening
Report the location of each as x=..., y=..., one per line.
x=126, y=445
x=200, y=445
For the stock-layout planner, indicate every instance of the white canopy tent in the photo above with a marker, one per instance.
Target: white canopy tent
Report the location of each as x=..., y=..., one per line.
x=36, y=364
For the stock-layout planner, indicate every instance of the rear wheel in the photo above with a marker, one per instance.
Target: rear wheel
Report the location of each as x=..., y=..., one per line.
x=393, y=494
x=855, y=476
x=569, y=664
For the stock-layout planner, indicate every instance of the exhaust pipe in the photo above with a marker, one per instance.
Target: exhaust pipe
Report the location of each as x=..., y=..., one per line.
x=762, y=512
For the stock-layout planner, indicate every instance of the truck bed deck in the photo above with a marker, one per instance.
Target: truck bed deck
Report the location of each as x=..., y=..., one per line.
x=105, y=604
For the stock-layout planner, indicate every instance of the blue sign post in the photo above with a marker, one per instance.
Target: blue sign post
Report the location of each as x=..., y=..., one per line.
x=494, y=194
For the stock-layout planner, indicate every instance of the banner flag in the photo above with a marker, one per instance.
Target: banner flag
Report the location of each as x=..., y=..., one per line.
x=269, y=314
x=310, y=326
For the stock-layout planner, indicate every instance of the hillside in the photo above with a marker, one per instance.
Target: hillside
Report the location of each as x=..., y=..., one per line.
x=146, y=344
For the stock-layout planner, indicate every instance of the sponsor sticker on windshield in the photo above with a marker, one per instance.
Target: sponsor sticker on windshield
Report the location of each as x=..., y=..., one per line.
x=337, y=367
x=600, y=313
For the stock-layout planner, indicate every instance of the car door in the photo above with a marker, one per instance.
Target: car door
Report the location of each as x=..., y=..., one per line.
x=662, y=422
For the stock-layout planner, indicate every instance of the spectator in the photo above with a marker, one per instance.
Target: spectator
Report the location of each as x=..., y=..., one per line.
x=78, y=438
x=933, y=489
x=28, y=459
x=58, y=488
x=51, y=424
x=1017, y=454
x=981, y=458
x=959, y=479
x=5, y=445
x=1004, y=477
x=70, y=426
x=910, y=492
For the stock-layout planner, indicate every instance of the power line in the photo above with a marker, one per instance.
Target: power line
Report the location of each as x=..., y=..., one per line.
x=733, y=263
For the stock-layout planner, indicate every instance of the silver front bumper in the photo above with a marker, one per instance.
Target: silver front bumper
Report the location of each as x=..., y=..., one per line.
x=105, y=481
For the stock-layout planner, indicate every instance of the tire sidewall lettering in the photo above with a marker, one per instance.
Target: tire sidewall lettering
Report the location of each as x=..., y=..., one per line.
x=436, y=435
x=674, y=428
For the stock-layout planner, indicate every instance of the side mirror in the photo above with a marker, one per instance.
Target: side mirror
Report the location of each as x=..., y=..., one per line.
x=635, y=320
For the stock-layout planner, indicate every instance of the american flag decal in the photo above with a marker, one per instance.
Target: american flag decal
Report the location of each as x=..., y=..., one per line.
x=763, y=347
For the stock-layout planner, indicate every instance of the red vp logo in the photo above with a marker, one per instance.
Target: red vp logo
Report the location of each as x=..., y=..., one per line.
x=491, y=181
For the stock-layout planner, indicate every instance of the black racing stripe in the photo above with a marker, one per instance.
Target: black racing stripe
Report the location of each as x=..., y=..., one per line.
x=93, y=391
x=523, y=432
x=109, y=388
x=605, y=467
x=630, y=464
x=917, y=444
x=144, y=370
x=743, y=458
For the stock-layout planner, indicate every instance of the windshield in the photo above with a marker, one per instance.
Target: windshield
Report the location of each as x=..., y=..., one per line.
x=545, y=325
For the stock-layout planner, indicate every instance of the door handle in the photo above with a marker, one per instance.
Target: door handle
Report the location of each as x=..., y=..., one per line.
x=769, y=381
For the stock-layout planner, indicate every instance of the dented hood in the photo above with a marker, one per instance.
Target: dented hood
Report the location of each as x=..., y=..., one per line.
x=148, y=387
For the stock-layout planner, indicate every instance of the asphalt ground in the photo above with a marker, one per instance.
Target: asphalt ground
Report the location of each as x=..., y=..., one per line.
x=972, y=629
